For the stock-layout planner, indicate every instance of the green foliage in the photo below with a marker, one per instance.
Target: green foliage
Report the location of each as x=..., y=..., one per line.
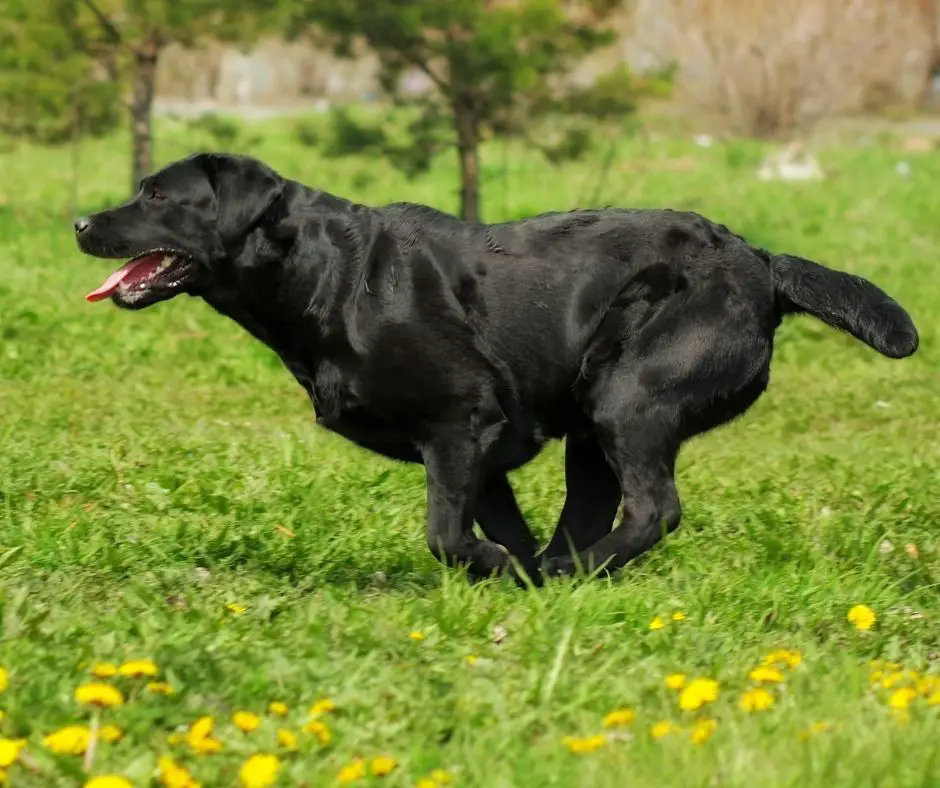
x=65, y=64
x=494, y=68
x=308, y=132
x=220, y=133
x=50, y=88
x=236, y=21
x=408, y=140
x=348, y=136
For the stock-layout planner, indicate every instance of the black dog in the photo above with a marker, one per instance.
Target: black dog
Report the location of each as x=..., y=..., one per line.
x=466, y=347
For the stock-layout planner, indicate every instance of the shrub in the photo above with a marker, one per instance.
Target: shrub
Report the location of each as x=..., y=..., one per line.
x=769, y=69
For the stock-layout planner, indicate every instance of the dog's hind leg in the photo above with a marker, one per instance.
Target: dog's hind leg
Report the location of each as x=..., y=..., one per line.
x=592, y=497
x=501, y=521
x=695, y=364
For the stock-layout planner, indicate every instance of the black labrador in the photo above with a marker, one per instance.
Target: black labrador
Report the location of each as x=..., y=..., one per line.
x=466, y=347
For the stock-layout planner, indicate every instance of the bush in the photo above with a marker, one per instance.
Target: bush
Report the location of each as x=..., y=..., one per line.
x=769, y=69
x=223, y=132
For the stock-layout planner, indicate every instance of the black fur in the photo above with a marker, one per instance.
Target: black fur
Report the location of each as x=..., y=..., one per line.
x=467, y=347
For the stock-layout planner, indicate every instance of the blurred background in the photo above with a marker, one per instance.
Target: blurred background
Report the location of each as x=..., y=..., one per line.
x=405, y=82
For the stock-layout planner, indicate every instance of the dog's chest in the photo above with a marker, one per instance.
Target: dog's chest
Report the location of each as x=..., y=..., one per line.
x=338, y=409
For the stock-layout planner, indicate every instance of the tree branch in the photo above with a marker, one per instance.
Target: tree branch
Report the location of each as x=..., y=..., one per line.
x=113, y=33
x=441, y=84
x=405, y=54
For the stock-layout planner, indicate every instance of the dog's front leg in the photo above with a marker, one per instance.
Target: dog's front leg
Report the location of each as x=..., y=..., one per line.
x=454, y=460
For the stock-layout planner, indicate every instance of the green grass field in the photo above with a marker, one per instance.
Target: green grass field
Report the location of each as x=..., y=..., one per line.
x=158, y=468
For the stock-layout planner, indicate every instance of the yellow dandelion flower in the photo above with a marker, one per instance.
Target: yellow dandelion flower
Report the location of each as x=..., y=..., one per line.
x=259, y=771
x=287, y=739
x=784, y=658
x=322, y=706
x=927, y=685
x=71, y=740
x=104, y=670
x=675, y=681
x=102, y=696
x=159, y=688
x=277, y=708
x=352, y=772
x=10, y=751
x=815, y=729
x=471, y=659
x=199, y=737
x=110, y=733
x=656, y=623
x=756, y=700
x=441, y=776
x=697, y=693
x=172, y=775
x=246, y=721
x=892, y=679
x=109, y=781
x=320, y=730
x=138, y=668
x=383, y=765
x=236, y=609
x=862, y=616
x=702, y=730
x=619, y=718
x=4, y=680
x=662, y=729
x=201, y=728
x=579, y=746
x=415, y=635
x=766, y=674
x=678, y=616
x=934, y=698
x=902, y=698
x=207, y=746
x=900, y=677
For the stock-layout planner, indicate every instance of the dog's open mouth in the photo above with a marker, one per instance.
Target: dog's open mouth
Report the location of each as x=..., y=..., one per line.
x=163, y=268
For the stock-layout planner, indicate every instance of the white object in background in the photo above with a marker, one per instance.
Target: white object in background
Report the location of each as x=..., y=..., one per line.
x=790, y=164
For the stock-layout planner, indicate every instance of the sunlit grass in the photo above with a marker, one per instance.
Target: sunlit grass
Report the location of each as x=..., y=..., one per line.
x=166, y=500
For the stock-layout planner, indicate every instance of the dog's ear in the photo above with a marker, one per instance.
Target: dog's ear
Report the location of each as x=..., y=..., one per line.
x=245, y=190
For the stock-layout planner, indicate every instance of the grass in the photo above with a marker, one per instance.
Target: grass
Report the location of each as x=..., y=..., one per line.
x=156, y=468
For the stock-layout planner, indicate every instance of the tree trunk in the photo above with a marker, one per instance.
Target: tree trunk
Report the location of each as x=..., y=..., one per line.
x=468, y=148
x=143, y=81
x=930, y=12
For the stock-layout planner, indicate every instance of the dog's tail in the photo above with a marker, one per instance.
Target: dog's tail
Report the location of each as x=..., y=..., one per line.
x=846, y=302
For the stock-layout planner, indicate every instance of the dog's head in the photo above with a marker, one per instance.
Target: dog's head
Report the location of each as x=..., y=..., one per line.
x=180, y=229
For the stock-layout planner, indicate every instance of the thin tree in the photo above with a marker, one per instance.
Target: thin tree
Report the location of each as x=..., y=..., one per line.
x=129, y=36
x=491, y=65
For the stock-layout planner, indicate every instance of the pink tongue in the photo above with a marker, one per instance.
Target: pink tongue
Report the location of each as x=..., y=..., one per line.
x=111, y=283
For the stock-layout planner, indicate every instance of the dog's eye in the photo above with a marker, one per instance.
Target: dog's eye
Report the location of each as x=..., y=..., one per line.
x=156, y=194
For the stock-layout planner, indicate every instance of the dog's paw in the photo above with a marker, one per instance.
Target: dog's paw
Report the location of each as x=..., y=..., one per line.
x=525, y=573
x=559, y=566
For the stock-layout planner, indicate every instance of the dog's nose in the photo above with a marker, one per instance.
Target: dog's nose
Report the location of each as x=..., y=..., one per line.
x=81, y=225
